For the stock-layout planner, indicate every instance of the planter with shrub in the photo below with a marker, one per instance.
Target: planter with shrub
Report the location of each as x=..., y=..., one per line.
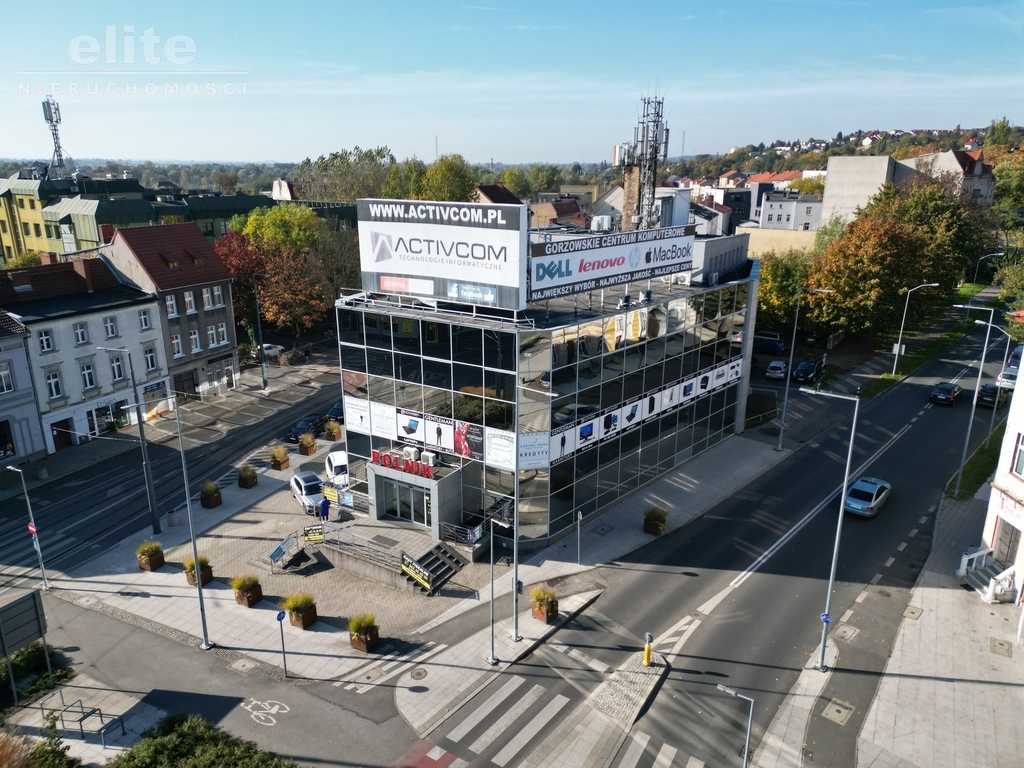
x=363, y=632
x=654, y=521
x=247, y=476
x=279, y=457
x=150, y=554
x=247, y=589
x=205, y=570
x=545, y=604
x=209, y=494
x=301, y=609
x=333, y=431
x=307, y=444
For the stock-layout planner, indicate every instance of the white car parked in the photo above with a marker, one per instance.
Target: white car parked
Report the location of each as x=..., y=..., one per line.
x=308, y=490
x=1007, y=379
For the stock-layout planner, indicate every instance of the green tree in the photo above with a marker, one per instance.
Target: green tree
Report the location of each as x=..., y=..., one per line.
x=26, y=259
x=344, y=176
x=827, y=232
x=243, y=260
x=1009, y=203
x=405, y=180
x=295, y=292
x=812, y=185
x=515, y=182
x=998, y=132
x=290, y=225
x=226, y=181
x=542, y=178
x=782, y=275
x=338, y=254
x=449, y=178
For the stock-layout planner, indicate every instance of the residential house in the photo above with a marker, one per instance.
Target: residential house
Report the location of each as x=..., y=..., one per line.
x=497, y=194
x=557, y=213
x=21, y=436
x=72, y=310
x=790, y=210
x=610, y=204
x=177, y=264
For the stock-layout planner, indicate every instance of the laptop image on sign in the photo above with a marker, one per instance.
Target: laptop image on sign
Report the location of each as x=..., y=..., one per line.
x=632, y=412
x=411, y=426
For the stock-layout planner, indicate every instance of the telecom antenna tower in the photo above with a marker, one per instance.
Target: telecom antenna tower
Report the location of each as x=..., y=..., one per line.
x=648, y=148
x=58, y=168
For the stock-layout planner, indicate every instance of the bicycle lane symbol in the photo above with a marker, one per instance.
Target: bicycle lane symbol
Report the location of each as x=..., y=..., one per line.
x=263, y=711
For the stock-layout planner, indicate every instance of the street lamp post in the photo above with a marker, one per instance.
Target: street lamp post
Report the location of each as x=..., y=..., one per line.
x=826, y=617
x=789, y=370
x=995, y=405
x=977, y=388
x=906, y=306
x=492, y=659
x=32, y=529
x=978, y=266
x=147, y=470
x=206, y=644
x=259, y=327
x=750, y=718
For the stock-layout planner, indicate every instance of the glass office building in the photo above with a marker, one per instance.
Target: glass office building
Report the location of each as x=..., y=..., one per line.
x=455, y=413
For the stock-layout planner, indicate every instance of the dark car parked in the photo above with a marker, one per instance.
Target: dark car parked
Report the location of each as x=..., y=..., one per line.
x=337, y=412
x=946, y=393
x=769, y=346
x=992, y=396
x=315, y=424
x=808, y=370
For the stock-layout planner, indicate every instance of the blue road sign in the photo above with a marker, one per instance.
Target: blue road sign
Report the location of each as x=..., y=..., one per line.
x=280, y=615
x=826, y=618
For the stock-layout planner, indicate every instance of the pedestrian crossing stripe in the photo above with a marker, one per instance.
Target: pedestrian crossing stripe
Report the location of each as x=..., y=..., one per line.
x=489, y=706
x=362, y=680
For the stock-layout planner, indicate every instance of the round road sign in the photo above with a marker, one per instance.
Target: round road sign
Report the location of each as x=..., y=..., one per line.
x=826, y=618
x=32, y=528
x=280, y=615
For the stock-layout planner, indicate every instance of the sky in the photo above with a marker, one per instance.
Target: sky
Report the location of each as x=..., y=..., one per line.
x=512, y=82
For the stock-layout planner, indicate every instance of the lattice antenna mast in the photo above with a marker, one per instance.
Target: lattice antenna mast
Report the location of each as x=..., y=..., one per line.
x=58, y=168
x=651, y=142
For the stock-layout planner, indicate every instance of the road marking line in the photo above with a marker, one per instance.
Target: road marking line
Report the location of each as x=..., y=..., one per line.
x=889, y=562
x=913, y=420
x=901, y=547
x=861, y=596
x=436, y=753
x=922, y=521
x=489, y=706
x=693, y=762
x=753, y=567
x=876, y=578
x=635, y=751
x=531, y=729
x=364, y=687
x=931, y=508
x=599, y=666
x=913, y=532
x=665, y=756
x=846, y=616
x=502, y=724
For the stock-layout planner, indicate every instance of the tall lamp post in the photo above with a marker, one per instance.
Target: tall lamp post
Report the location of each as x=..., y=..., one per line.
x=977, y=388
x=826, y=618
x=259, y=327
x=750, y=718
x=147, y=470
x=492, y=659
x=978, y=266
x=206, y=644
x=906, y=306
x=789, y=370
x=32, y=524
x=995, y=405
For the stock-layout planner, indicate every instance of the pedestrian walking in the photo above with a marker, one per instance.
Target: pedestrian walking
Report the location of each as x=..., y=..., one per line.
x=325, y=509
x=309, y=352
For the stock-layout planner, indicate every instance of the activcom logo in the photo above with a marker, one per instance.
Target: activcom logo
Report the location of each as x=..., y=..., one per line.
x=380, y=246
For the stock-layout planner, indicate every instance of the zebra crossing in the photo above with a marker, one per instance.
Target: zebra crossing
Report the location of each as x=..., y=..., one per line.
x=641, y=754
x=366, y=677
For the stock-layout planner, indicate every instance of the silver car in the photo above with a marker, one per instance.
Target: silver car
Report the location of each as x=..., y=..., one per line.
x=308, y=490
x=776, y=369
x=866, y=496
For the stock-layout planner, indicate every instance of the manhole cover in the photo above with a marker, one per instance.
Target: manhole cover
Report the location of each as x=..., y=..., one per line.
x=602, y=529
x=242, y=666
x=384, y=541
x=87, y=600
x=697, y=615
x=845, y=632
x=912, y=612
x=838, y=711
x=883, y=593
x=1001, y=647
x=418, y=674
x=370, y=675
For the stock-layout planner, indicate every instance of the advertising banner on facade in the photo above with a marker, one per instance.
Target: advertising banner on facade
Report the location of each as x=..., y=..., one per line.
x=382, y=420
x=439, y=432
x=578, y=265
x=469, y=440
x=500, y=448
x=357, y=413
x=470, y=252
x=533, y=450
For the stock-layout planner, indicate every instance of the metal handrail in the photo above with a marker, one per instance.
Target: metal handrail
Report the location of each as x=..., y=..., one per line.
x=360, y=546
x=968, y=561
x=1004, y=580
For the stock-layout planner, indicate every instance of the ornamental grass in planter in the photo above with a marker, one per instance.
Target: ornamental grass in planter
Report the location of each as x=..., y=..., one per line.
x=654, y=520
x=307, y=443
x=150, y=554
x=247, y=589
x=333, y=430
x=279, y=457
x=247, y=476
x=209, y=494
x=363, y=632
x=205, y=570
x=301, y=607
x=545, y=604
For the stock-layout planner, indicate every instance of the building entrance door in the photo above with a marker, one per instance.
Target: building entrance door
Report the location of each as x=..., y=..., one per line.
x=406, y=502
x=1007, y=540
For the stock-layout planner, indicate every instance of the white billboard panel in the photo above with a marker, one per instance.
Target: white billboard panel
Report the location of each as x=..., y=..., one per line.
x=577, y=265
x=470, y=252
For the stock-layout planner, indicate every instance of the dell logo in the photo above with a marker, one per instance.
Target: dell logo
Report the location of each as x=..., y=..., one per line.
x=544, y=271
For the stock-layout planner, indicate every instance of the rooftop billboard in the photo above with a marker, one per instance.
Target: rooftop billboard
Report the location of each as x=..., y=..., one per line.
x=473, y=253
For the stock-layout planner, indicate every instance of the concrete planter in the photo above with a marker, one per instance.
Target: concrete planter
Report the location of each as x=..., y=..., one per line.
x=211, y=501
x=303, y=620
x=152, y=562
x=307, y=450
x=546, y=612
x=205, y=575
x=250, y=598
x=365, y=642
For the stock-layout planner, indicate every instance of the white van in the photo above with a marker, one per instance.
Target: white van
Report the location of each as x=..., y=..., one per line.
x=336, y=467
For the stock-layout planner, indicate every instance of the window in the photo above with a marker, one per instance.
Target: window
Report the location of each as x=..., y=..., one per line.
x=45, y=341
x=769, y=217
x=218, y=296
x=172, y=305
x=223, y=227
x=207, y=298
x=1018, y=458
x=53, y=385
x=211, y=336
x=808, y=210
x=176, y=345
x=194, y=338
x=6, y=382
x=787, y=217
x=24, y=228
x=190, y=302
x=81, y=334
x=110, y=325
x=21, y=202
x=32, y=205
x=3, y=226
x=150, y=354
x=144, y=324
x=38, y=230
x=222, y=333
x=88, y=377
x=116, y=368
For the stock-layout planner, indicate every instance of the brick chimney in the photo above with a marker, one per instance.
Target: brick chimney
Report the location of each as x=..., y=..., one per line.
x=83, y=271
x=47, y=258
x=106, y=233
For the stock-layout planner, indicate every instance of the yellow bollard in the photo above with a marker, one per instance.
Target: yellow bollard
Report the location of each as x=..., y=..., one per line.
x=647, y=655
